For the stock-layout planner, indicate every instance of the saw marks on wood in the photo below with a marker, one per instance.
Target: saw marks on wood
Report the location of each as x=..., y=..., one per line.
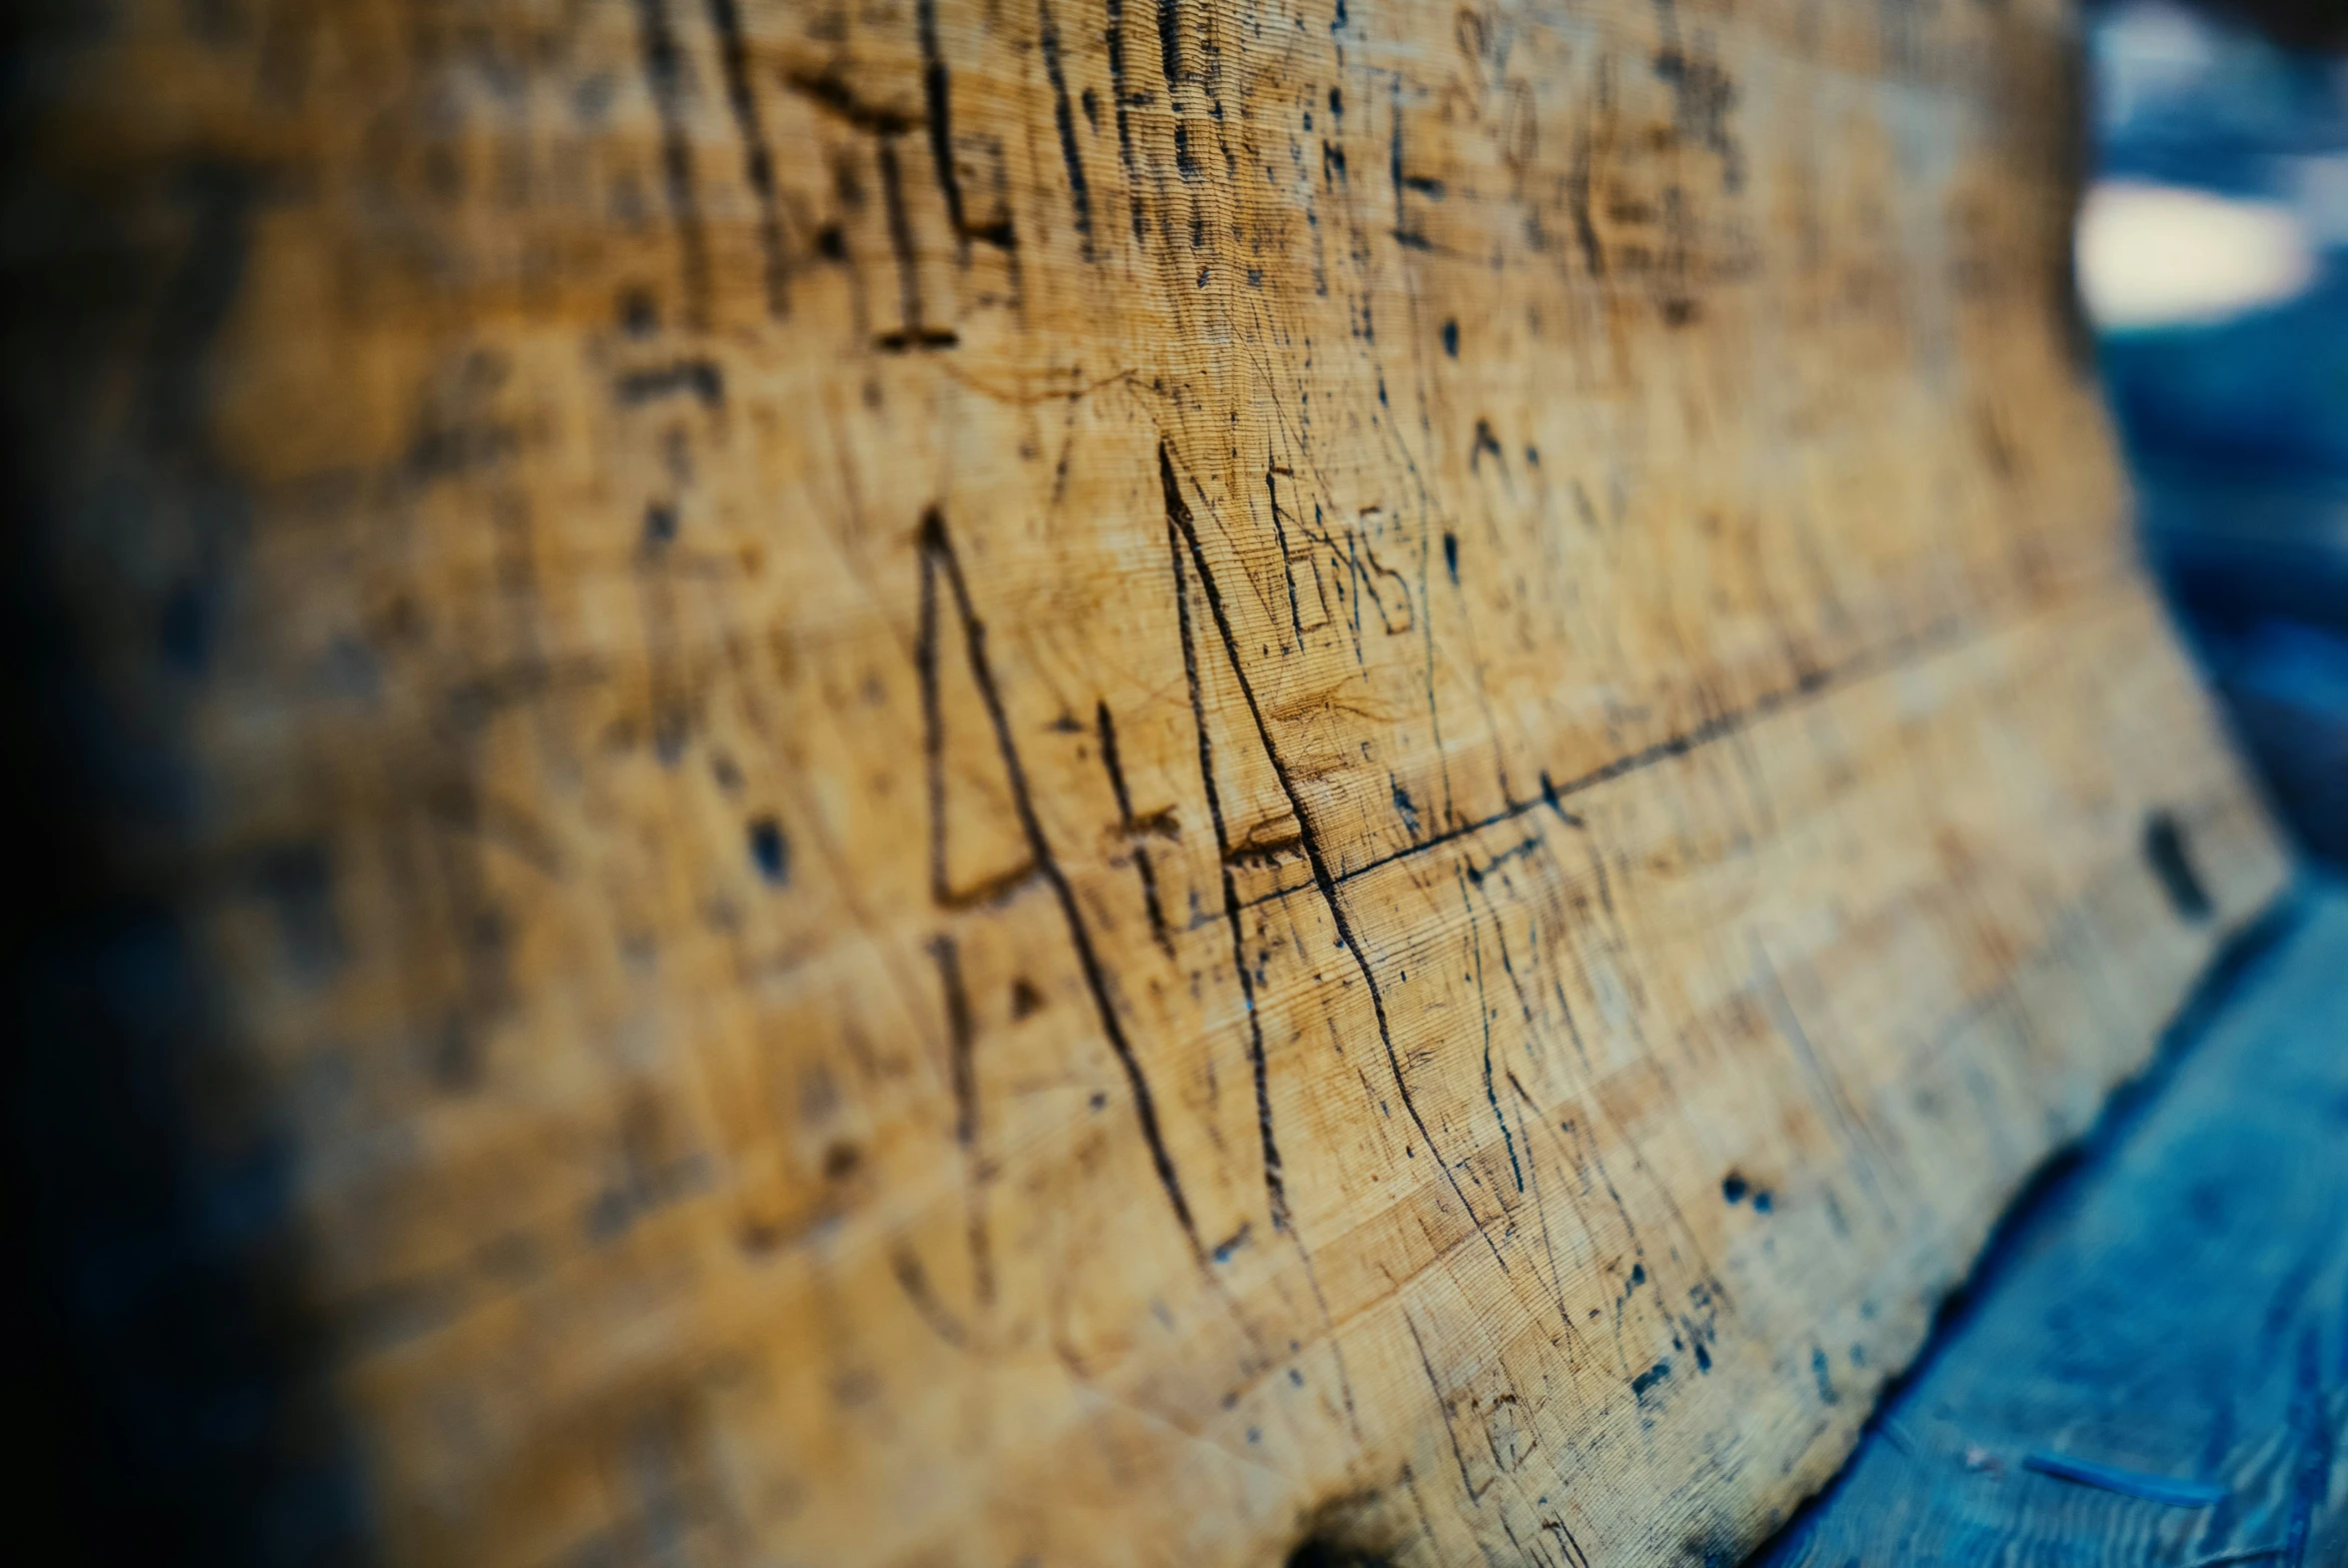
x=1086, y=783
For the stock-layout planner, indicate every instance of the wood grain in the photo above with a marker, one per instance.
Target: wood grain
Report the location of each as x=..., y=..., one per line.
x=1082, y=783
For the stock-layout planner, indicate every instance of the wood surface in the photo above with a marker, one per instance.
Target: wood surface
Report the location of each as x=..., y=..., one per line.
x=2177, y=1307
x=1090, y=783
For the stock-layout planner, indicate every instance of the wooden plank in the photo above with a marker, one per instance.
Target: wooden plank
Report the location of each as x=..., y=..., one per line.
x=1075, y=786
x=2167, y=1323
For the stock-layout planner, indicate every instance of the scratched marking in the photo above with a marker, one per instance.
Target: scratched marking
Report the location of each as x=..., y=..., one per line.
x=931, y=609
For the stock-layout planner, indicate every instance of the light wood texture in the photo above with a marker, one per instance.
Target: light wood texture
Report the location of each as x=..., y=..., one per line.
x=1078, y=783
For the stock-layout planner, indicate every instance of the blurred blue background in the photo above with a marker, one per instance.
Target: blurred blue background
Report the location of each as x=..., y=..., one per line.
x=2213, y=265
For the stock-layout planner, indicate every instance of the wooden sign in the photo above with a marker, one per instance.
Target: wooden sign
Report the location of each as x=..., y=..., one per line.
x=1068, y=783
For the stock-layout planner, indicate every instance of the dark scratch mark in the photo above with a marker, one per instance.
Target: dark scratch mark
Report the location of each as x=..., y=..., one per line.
x=961, y=1064
x=961, y=1038
x=1821, y=1373
x=1124, y=101
x=1403, y=233
x=1484, y=1011
x=1134, y=827
x=664, y=71
x=926, y=652
x=1444, y=1406
x=1179, y=517
x=935, y=93
x=1541, y=1210
x=914, y=334
x=1262, y=851
x=1717, y=728
x=1404, y=806
x=694, y=378
x=1170, y=41
x=1079, y=190
x=1476, y=873
x=920, y=338
x=914, y=1280
x=1577, y=186
x=986, y=891
x=1575, y=1556
x=758, y=164
x=1288, y=566
x=832, y=95
x=1274, y=1180
x=1550, y=799
x=2165, y=851
x=1485, y=441
x=939, y=557
x=1595, y=1160
x=1703, y=96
